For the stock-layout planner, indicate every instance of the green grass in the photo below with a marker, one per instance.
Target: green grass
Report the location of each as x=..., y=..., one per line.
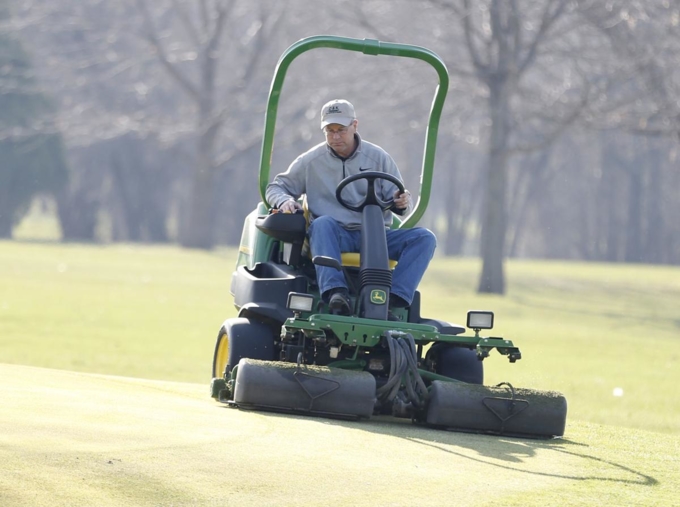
x=150, y=312
x=584, y=329
x=154, y=312
x=76, y=439
x=40, y=223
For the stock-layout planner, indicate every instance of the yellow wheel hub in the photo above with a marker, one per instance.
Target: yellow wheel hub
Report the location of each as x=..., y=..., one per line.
x=221, y=355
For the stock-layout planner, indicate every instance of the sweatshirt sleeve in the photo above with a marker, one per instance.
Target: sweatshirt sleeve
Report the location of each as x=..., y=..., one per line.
x=390, y=167
x=287, y=185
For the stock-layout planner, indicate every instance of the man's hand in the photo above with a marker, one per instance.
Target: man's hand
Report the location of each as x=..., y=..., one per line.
x=402, y=200
x=289, y=206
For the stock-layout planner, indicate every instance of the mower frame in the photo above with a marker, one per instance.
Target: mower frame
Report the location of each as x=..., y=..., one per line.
x=305, y=344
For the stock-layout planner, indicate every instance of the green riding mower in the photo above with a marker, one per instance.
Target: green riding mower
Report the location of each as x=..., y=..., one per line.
x=287, y=352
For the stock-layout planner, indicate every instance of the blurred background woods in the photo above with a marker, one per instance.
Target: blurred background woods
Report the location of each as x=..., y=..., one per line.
x=141, y=120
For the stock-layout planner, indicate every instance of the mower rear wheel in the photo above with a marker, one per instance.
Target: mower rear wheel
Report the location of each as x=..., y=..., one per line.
x=460, y=364
x=239, y=338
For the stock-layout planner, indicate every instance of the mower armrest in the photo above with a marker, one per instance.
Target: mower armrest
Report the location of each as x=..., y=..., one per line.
x=286, y=227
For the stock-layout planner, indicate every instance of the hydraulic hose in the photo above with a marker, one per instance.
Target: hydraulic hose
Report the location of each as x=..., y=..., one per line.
x=403, y=371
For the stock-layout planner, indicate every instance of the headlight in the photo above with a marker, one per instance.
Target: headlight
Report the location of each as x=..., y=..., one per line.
x=300, y=302
x=479, y=320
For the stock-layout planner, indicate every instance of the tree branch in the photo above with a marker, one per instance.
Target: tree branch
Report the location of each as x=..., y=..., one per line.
x=547, y=21
x=185, y=19
x=550, y=137
x=481, y=66
x=152, y=38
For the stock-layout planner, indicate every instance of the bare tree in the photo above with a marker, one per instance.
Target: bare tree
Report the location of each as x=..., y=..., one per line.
x=642, y=103
x=89, y=64
x=644, y=38
x=166, y=74
x=161, y=105
x=519, y=52
x=31, y=150
x=211, y=32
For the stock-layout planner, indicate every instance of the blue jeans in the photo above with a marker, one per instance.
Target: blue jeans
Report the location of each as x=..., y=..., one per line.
x=411, y=248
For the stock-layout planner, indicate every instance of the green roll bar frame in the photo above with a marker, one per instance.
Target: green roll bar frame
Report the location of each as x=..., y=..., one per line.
x=368, y=47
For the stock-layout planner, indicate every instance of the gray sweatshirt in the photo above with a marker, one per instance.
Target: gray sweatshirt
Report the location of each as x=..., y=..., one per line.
x=318, y=172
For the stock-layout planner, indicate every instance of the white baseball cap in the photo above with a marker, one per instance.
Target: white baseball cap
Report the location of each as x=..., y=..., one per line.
x=337, y=111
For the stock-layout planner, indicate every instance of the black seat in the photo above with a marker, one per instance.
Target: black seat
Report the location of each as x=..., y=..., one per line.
x=286, y=227
x=290, y=229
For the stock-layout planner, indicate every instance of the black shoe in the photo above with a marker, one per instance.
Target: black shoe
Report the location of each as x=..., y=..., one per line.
x=397, y=302
x=340, y=304
x=392, y=317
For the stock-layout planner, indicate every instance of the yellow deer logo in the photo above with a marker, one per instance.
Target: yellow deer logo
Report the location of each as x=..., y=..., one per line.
x=378, y=297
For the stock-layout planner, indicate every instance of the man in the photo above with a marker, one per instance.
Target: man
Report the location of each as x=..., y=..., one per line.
x=334, y=228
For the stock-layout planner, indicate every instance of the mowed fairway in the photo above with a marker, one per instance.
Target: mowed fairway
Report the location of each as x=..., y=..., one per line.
x=105, y=355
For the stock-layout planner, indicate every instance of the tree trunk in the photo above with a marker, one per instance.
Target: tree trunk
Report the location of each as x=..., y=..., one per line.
x=534, y=177
x=7, y=205
x=634, y=238
x=655, y=218
x=5, y=226
x=494, y=223
x=77, y=212
x=455, y=219
x=199, y=230
x=609, y=203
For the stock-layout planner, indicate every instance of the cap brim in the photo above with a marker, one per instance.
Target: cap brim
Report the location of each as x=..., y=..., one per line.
x=345, y=121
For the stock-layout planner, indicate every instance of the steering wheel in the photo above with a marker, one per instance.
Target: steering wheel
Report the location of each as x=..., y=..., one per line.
x=371, y=196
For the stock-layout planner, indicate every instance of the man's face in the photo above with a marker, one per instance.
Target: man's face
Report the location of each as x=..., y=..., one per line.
x=341, y=138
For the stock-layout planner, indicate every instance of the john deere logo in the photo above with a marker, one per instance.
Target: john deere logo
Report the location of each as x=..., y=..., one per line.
x=333, y=110
x=378, y=297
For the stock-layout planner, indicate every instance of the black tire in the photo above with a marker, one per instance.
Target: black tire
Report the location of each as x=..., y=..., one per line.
x=239, y=338
x=461, y=364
